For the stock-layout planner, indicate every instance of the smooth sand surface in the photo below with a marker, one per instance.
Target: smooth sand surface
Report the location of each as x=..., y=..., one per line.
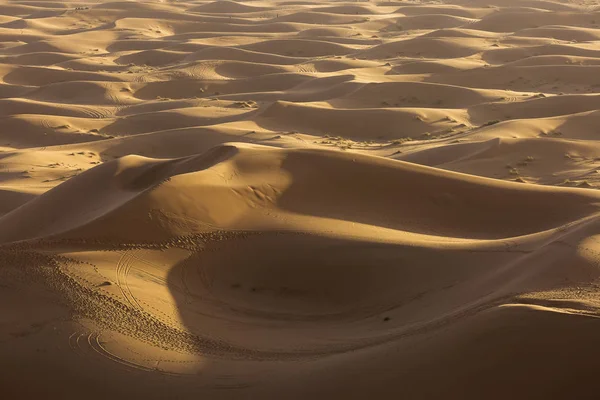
x=299, y=199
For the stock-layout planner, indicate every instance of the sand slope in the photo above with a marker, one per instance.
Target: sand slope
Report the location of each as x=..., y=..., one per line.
x=299, y=199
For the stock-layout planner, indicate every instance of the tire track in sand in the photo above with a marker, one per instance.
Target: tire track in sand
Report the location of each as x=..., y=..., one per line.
x=123, y=267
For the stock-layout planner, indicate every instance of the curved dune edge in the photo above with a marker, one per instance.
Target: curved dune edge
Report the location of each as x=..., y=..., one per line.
x=249, y=187
x=299, y=199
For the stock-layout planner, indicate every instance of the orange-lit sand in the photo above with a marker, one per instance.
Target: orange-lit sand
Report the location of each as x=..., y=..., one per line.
x=299, y=200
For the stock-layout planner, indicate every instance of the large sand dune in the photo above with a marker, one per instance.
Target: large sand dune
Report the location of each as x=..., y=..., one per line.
x=299, y=199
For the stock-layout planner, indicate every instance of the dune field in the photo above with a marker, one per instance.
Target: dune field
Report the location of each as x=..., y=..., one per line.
x=299, y=199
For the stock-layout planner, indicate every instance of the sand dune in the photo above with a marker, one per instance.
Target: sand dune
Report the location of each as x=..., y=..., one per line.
x=299, y=199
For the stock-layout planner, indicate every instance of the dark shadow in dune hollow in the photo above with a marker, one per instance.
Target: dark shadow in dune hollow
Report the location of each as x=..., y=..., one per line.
x=362, y=299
